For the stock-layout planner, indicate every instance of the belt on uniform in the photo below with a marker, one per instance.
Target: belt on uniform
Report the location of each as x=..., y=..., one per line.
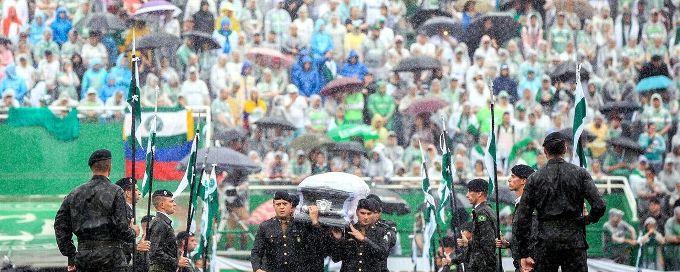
x=90, y=245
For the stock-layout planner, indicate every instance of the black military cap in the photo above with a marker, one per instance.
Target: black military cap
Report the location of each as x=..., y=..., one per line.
x=377, y=199
x=448, y=241
x=553, y=138
x=282, y=195
x=183, y=235
x=164, y=193
x=126, y=183
x=146, y=219
x=99, y=155
x=522, y=171
x=294, y=199
x=369, y=204
x=478, y=185
x=467, y=226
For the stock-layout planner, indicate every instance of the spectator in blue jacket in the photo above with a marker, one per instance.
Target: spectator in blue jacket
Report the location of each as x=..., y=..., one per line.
x=307, y=80
x=353, y=68
x=94, y=77
x=321, y=41
x=12, y=81
x=61, y=26
x=505, y=82
x=121, y=72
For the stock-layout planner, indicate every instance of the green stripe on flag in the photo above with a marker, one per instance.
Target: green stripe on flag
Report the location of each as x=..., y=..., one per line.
x=580, y=112
x=490, y=160
x=148, y=173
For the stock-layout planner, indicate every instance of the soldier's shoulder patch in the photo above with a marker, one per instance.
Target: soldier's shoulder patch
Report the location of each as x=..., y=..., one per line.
x=481, y=218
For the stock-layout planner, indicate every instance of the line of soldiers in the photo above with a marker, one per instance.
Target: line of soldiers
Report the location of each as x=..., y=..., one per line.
x=286, y=245
x=99, y=213
x=548, y=229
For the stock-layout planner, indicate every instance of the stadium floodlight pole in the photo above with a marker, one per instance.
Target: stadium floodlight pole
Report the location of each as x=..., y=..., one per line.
x=192, y=184
x=153, y=152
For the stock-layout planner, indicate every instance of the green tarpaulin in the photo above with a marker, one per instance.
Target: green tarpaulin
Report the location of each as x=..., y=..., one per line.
x=65, y=129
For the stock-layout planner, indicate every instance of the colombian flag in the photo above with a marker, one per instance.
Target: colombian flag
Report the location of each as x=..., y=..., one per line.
x=175, y=130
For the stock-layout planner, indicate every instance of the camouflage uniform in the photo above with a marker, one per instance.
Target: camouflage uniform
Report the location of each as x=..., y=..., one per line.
x=481, y=255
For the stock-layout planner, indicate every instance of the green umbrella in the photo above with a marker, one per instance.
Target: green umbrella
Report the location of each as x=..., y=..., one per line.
x=348, y=132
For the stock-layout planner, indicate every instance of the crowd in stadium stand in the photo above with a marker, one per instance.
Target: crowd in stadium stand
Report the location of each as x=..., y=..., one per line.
x=50, y=57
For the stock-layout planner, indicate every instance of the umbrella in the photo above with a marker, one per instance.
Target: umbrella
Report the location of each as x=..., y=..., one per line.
x=566, y=72
x=619, y=107
x=504, y=27
x=567, y=132
x=436, y=25
x=653, y=83
x=392, y=203
x=581, y=8
x=272, y=122
x=231, y=134
x=414, y=64
x=352, y=147
x=225, y=159
x=426, y=105
x=423, y=15
x=157, y=7
x=309, y=142
x=200, y=38
x=269, y=56
x=347, y=132
x=626, y=143
x=157, y=40
x=342, y=85
x=105, y=22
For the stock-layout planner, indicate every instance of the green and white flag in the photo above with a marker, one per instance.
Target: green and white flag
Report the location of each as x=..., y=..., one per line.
x=578, y=154
x=133, y=99
x=429, y=215
x=150, y=149
x=490, y=159
x=211, y=205
x=445, y=188
x=188, y=174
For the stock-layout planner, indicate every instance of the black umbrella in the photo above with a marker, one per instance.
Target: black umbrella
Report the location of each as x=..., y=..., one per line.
x=567, y=133
x=392, y=203
x=627, y=143
x=619, y=107
x=566, y=72
x=503, y=28
x=352, y=147
x=102, y=21
x=273, y=122
x=438, y=25
x=414, y=64
x=231, y=134
x=225, y=159
x=424, y=14
x=310, y=141
x=200, y=38
x=157, y=40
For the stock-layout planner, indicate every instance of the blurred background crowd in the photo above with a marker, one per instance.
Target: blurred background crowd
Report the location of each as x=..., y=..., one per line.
x=384, y=77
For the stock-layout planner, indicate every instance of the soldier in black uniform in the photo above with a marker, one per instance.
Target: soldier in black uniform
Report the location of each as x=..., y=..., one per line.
x=182, y=237
x=367, y=245
x=142, y=258
x=284, y=245
x=391, y=226
x=163, y=255
x=95, y=212
x=128, y=185
x=480, y=256
x=518, y=179
x=557, y=193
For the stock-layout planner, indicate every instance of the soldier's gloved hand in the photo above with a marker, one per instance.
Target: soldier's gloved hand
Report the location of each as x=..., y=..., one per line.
x=183, y=262
x=144, y=246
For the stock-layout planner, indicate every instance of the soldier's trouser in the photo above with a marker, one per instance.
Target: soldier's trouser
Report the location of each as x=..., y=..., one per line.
x=572, y=260
x=101, y=259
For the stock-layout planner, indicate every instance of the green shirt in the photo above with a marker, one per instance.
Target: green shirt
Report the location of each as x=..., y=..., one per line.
x=559, y=37
x=381, y=104
x=355, y=107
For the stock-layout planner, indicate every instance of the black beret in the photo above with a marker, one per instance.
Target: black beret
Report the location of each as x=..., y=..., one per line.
x=146, y=219
x=467, y=226
x=294, y=199
x=99, y=155
x=478, y=185
x=164, y=193
x=126, y=183
x=377, y=199
x=554, y=138
x=522, y=171
x=369, y=204
x=448, y=241
x=283, y=195
x=183, y=235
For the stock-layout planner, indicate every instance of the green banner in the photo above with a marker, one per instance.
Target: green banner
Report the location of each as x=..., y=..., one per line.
x=65, y=129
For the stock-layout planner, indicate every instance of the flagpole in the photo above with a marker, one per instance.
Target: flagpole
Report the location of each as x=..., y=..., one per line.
x=134, y=148
x=191, y=189
x=495, y=182
x=152, y=152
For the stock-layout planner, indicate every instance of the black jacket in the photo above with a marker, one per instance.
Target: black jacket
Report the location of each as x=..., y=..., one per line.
x=301, y=248
x=557, y=193
x=94, y=211
x=369, y=255
x=163, y=251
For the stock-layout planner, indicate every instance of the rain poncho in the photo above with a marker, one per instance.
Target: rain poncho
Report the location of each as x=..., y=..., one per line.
x=109, y=90
x=321, y=41
x=383, y=167
x=353, y=70
x=14, y=82
x=308, y=81
x=35, y=33
x=61, y=27
x=121, y=73
x=93, y=79
x=224, y=37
